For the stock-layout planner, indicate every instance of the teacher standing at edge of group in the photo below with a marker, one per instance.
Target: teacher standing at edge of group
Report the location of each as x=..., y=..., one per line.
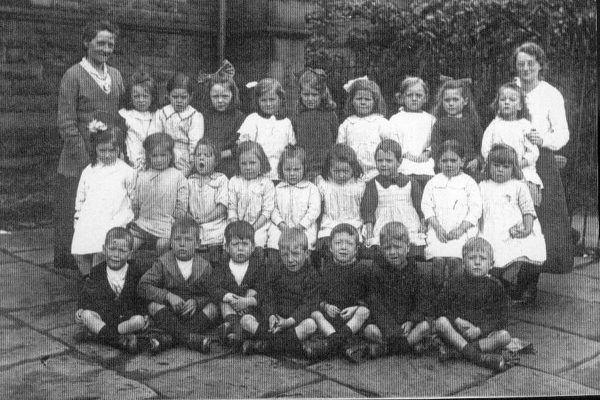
x=89, y=90
x=551, y=132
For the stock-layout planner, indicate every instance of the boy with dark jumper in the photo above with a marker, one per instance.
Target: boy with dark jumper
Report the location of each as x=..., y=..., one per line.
x=291, y=293
x=177, y=287
x=472, y=309
x=108, y=303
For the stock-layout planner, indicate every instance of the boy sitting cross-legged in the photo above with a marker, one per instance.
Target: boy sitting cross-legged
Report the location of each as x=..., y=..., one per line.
x=177, y=287
x=344, y=288
x=235, y=283
x=108, y=304
x=290, y=294
x=398, y=298
x=472, y=309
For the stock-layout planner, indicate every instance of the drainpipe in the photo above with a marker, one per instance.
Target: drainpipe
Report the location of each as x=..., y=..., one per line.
x=222, y=24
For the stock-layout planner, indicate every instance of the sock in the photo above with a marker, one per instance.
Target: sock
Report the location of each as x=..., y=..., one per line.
x=346, y=332
x=286, y=340
x=262, y=332
x=336, y=341
x=399, y=345
x=109, y=334
x=472, y=351
x=232, y=319
x=170, y=323
x=201, y=322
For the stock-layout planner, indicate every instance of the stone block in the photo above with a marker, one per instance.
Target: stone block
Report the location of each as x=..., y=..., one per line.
x=38, y=256
x=322, y=390
x=27, y=240
x=23, y=285
x=6, y=258
x=585, y=268
x=10, y=121
x=413, y=377
x=20, y=71
x=98, y=352
x=571, y=285
x=28, y=103
x=48, y=316
x=555, y=351
x=587, y=374
x=67, y=377
x=564, y=313
x=524, y=382
x=18, y=344
x=232, y=377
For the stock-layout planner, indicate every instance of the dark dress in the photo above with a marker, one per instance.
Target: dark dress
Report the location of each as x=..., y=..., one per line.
x=221, y=128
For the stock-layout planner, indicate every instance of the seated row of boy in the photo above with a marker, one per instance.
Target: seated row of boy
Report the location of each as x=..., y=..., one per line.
x=280, y=306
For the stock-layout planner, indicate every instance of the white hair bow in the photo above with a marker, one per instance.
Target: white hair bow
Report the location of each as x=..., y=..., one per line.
x=517, y=81
x=252, y=84
x=349, y=84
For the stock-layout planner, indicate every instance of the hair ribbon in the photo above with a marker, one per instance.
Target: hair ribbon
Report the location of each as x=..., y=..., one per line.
x=349, y=84
x=226, y=70
x=465, y=81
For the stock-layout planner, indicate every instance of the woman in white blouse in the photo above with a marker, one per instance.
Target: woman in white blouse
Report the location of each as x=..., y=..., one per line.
x=550, y=133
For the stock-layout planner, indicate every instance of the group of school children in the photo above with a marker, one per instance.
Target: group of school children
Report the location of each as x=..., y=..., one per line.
x=265, y=223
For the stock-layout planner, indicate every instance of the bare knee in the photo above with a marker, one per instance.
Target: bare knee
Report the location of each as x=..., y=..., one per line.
x=153, y=308
x=442, y=324
x=138, y=320
x=362, y=313
x=503, y=337
x=211, y=311
x=308, y=326
x=317, y=316
x=88, y=315
x=247, y=321
x=372, y=332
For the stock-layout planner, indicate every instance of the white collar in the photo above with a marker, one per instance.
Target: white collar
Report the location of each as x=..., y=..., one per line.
x=104, y=80
x=302, y=184
x=353, y=119
x=188, y=112
x=116, y=278
x=185, y=267
x=133, y=113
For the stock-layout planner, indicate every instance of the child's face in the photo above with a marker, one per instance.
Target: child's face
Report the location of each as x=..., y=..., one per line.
x=160, y=158
x=292, y=170
x=500, y=172
x=180, y=99
x=140, y=98
x=451, y=164
x=310, y=97
x=107, y=153
x=239, y=250
x=269, y=102
x=293, y=256
x=509, y=104
x=453, y=102
x=220, y=97
x=478, y=263
x=344, y=248
x=394, y=252
x=183, y=243
x=363, y=103
x=204, y=160
x=117, y=252
x=415, y=98
x=386, y=163
x=249, y=165
x=340, y=172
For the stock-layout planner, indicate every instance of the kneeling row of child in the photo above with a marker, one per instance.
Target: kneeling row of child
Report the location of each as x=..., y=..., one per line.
x=276, y=308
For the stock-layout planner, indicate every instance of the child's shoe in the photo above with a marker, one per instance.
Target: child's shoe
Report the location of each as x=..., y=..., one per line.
x=376, y=350
x=129, y=343
x=255, y=347
x=447, y=353
x=160, y=342
x=473, y=352
x=84, y=335
x=315, y=350
x=223, y=330
x=235, y=341
x=355, y=352
x=199, y=343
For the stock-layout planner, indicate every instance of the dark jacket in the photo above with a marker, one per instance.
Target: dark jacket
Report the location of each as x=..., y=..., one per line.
x=97, y=295
x=397, y=296
x=480, y=300
x=223, y=281
x=291, y=294
x=345, y=286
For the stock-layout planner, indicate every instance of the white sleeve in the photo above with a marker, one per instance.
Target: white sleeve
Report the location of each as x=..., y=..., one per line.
x=196, y=132
x=488, y=140
x=248, y=130
x=558, y=136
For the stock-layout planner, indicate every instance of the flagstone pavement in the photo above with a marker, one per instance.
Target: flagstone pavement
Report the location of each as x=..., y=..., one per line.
x=40, y=359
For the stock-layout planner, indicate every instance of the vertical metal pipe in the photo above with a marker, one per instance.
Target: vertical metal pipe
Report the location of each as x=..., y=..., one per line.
x=222, y=26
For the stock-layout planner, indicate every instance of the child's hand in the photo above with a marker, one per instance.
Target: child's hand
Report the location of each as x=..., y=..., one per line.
x=348, y=312
x=406, y=327
x=331, y=310
x=534, y=137
x=519, y=231
x=473, y=165
x=455, y=233
x=176, y=302
x=441, y=234
x=79, y=316
x=273, y=323
x=189, y=308
x=242, y=304
x=472, y=333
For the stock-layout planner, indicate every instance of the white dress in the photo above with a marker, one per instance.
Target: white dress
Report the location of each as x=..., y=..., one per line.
x=413, y=131
x=138, y=125
x=204, y=199
x=451, y=201
x=341, y=204
x=513, y=134
x=186, y=128
x=364, y=134
x=273, y=134
x=504, y=205
x=249, y=199
x=296, y=206
x=103, y=202
x=395, y=204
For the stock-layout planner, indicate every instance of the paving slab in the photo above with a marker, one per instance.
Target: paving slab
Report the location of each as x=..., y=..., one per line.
x=520, y=381
x=48, y=316
x=578, y=286
x=24, y=285
x=589, y=269
x=18, y=344
x=235, y=376
x=555, y=351
x=324, y=390
x=145, y=365
x=563, y=313
x=67, y=377
x=7, y=258
x=37, y=256
x=587, y=374
x=395, y=376
x=98, y=352
x=28, y=239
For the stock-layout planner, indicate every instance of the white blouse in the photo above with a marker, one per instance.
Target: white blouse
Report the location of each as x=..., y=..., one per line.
x=413, y=131
x=138, y=125
x=547, y=108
